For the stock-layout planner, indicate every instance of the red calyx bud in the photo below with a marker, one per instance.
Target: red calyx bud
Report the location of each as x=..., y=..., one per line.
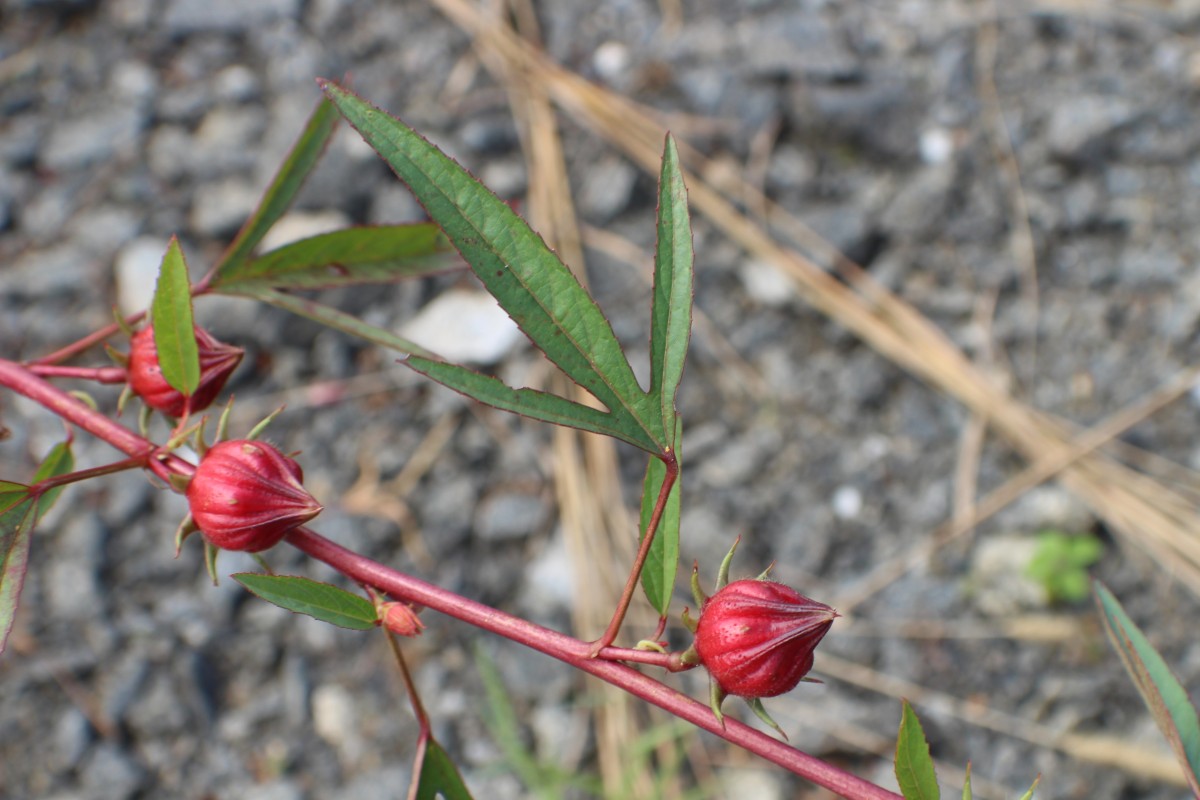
x=756, y=638
x=246, y=495
x=400, y=619
x=217, y=361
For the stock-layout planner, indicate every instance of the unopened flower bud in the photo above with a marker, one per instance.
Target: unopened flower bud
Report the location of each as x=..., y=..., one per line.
x=246, y=495
x=400, y=619
x=217, y=362
x=756, y=637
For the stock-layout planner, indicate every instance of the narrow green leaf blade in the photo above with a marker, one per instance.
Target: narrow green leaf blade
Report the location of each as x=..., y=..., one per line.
x=1033, y=788
x=514, y=264
x=16, y=525
x=328, y=316
x=11, y=493
x=531, y=402
x=1166, y=698
x=349, y=256
x=174, y=331
x=319, y=600
x=279, y=195
x=662, y=562
x=967, y=783
x=436, y=776
x=671, y=309
x=59, y=461
x=914, y=765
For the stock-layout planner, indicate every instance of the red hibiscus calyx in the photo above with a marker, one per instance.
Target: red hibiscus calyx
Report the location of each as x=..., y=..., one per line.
x=217, y=361
x=246, y=495
x=756, y=637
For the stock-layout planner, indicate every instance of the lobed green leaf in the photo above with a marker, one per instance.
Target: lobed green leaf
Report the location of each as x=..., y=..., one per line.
x=319, y=600
x=174, y=330
x=530, y=402
x=328, y=316
x=662, y=562
x=279, y=195
x=914, y=765
x=1165, y=696
x=347, y=257
x=671, y=307
x=536, y=289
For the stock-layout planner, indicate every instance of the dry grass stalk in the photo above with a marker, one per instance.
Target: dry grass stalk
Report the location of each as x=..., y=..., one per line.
x=1147, y=514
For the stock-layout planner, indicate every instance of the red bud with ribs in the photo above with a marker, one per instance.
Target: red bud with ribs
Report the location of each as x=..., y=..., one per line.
x=756, y=637
x=217, y=362
x=246, y=495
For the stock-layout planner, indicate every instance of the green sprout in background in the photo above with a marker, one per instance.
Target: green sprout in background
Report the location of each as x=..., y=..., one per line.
x=1060, y=564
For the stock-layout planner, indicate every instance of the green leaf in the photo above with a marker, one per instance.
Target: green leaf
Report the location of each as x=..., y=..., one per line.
x=347, y=257
x=328, y=316
x=11, y=493
x=914, y=765
x=531, y=402
x=436, y=775
x=1166, y=698
x=1029, y=794
x=319, y=600
x=671, y=309
x=174, y=331
x=283, y=190
x=536, y=289
x=16, y=525
x=967, y=784
x=662, y=562
x=59, y=461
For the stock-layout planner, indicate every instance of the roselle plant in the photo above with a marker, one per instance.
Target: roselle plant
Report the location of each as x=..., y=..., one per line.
x=755, y=637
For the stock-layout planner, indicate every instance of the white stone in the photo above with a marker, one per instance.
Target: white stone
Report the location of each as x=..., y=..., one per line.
x=300, y=225
x=937, y=145
x=610, y=60
x=766, y=283
x=464, y=325
x=136, y=271
x=847, y=502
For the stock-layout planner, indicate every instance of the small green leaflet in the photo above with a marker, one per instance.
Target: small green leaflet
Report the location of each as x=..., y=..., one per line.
x=662, y=562
x=18, y=515
x=1165, y=696
x=914, y=765
x=346, y=257
x=318, y=600
x=174, y=331
x=671, y=307
x=436, y=775
x=279, y=195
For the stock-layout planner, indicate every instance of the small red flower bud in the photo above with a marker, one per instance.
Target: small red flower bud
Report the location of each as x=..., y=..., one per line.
x=400, y=619
x=246, y=495
x=217, y=361
x=757, y=637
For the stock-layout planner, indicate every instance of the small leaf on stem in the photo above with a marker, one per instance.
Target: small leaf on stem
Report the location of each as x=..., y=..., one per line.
x=174, y=332
x=914, y=765
x=319, y=600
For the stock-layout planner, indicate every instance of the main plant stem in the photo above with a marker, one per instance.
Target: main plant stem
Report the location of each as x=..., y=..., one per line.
x=576, y=653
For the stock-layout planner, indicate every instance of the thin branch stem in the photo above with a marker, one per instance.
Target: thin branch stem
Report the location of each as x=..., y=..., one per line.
x=660, y=505
x=97, y=374
x=578, y=654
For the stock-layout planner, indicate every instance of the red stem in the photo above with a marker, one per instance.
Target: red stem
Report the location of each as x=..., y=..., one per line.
x=572, y=651
x=660, y=505
x=578, y=654
x=97, y=374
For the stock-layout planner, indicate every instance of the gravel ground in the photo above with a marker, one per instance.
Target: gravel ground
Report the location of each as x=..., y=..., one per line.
x=1064, y=264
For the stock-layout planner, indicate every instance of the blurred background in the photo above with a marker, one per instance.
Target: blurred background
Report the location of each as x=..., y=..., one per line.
x=942, y=370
